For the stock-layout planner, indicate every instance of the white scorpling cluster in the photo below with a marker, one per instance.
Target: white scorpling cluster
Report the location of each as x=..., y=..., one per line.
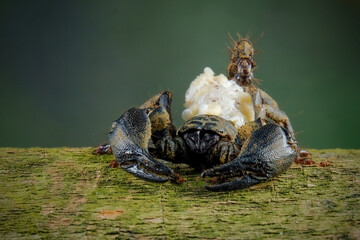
x=216, y=95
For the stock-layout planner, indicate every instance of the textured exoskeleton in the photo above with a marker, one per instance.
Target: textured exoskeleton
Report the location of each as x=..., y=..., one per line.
x=239, y=156
x=255, y=152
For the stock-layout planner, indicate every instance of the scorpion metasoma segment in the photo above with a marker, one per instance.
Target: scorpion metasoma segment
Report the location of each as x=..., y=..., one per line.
x=238, y=156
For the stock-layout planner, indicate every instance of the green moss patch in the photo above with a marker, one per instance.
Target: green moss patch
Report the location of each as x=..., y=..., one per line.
x=69, y=192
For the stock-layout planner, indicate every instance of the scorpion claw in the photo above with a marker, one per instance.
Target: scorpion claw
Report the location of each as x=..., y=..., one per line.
x=144, y=166
x=245, y=182
x=226, y=171
x=129, y=137
x=142, y=173
x=266, y=154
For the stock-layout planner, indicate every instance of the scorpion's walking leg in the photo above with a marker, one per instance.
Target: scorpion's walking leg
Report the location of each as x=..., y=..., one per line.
x=102, y=149
x=266, y=108
x=268, y=152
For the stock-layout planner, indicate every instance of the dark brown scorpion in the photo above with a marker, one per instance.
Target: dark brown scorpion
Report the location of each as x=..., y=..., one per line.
x=240, y=156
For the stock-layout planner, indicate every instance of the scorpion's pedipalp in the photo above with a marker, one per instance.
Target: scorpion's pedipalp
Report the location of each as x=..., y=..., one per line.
x=229, y=170
x=141, y=164
x=266, y=154
x=147, y=172
x=129, y=137
x=142, y=174
x=245, y=182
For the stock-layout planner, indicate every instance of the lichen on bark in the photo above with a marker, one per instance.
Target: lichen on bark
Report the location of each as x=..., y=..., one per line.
x=70, y=193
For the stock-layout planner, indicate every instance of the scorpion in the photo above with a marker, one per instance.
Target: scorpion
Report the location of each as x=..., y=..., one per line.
x=237, y=156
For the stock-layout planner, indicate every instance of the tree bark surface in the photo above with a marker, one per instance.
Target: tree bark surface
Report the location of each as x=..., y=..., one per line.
x=71, y=193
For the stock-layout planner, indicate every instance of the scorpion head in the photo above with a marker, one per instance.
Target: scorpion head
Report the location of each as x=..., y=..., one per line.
x=242, y=62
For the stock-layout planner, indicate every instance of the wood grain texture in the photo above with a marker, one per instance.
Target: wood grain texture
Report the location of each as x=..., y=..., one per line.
x=70, y=193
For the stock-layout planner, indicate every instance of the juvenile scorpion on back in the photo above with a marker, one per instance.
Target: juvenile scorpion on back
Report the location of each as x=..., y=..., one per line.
x=238, y=155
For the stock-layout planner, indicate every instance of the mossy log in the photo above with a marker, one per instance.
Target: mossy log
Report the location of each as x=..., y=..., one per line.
x=71, y=193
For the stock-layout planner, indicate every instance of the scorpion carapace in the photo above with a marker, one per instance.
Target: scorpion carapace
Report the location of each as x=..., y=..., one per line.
x=251, y=152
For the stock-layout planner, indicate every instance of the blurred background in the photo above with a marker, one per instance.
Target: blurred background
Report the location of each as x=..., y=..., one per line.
x=69, y=68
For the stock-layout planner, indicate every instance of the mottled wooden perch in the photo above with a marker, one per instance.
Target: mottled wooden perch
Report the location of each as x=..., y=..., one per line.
x=70, y=193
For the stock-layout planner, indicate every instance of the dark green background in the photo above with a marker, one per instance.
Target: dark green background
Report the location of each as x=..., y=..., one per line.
x=68, y=68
